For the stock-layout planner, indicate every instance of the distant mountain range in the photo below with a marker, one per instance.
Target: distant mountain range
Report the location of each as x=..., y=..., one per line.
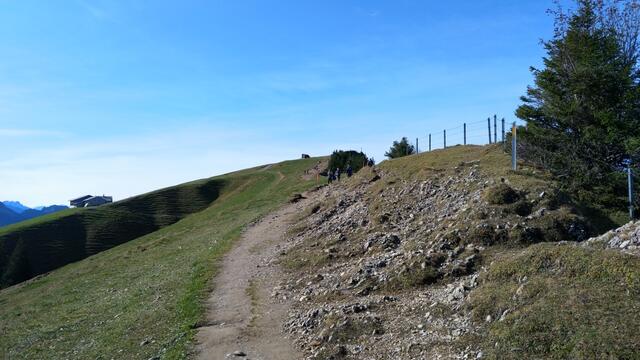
x=16, y=206
x=13, y=211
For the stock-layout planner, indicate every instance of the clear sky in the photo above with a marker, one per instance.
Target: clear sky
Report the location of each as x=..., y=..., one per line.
x=124, y=97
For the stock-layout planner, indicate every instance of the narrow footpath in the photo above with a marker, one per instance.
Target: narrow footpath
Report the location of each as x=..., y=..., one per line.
x=244, y=321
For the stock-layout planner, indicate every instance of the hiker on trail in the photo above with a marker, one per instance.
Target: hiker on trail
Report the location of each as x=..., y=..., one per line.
x=338, y=174
x=349, y=170
x=330, y=176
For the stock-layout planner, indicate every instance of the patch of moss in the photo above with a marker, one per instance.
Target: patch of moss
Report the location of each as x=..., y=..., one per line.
x=526, y=235
x=484, y=234
x=436, y=259
x=413, y=277
x=521, y=207
x=554, y=199
x=501, y=194
x=561, y=225
x=300, y=257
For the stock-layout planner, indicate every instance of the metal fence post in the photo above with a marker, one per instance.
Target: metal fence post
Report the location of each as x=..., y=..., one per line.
x=489, y=128
x=417, y=148
x=514, y=156
x=429, y=142
x=495, y=128
x=630, y=186
x=445, y=139
x=465, y=133
x=503, y=130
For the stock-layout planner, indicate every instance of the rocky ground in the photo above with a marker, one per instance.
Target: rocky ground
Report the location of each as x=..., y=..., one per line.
x=380, y=267
x=625, y=238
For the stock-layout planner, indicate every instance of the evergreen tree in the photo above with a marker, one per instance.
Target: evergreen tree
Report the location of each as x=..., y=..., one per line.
x=399, y=149
x=583, y=114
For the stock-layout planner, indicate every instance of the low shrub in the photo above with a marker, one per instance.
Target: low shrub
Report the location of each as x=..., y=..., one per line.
x=501, y=194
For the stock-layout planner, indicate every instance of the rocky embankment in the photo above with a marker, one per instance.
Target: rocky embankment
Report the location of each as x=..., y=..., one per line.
x=381, y=267
x=625, y=238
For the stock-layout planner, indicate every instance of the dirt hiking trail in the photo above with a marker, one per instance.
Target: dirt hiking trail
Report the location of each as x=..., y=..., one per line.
x=243, y=320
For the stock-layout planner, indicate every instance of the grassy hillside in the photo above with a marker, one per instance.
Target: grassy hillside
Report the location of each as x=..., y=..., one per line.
x=44, y=244
x=560, y=302
x=142, y=298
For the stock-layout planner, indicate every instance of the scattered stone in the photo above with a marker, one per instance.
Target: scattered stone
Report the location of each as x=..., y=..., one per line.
x=625, y=238
x=389, y=265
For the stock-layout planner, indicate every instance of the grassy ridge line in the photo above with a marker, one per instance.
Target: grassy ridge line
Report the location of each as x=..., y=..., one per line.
x=142, y=298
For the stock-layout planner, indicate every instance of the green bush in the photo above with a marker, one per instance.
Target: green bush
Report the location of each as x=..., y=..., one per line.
x=342, y=159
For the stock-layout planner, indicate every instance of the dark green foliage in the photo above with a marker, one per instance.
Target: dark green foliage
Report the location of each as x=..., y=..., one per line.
x=522, y=207
x=415, y=276
x=583, y=114
x=483, y=234
x=526, y=235
x=436, y=259
x=400, y=148
x=34, y=249
x=561, y=225
x=501, y=194
x=563, y=302
x=342, y=159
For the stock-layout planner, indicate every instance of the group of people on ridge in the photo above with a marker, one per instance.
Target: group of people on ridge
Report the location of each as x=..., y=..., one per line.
x=334, y=174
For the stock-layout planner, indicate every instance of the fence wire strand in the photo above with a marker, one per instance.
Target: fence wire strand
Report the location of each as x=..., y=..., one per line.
x=478, y=132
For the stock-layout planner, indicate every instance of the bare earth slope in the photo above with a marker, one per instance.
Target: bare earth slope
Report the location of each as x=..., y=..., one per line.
x=243, y=316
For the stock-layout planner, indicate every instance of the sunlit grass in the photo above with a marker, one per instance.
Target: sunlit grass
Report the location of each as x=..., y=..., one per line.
x=142, y=298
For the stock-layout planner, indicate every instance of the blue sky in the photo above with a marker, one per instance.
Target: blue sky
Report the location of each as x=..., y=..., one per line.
x=124, y=97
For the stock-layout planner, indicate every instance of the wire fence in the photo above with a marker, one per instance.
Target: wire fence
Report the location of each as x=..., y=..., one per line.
x=489, y=131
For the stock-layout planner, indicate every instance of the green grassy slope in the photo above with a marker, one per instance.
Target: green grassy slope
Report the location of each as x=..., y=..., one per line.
x=560, y=302
x=142, y=298
x=44, y=244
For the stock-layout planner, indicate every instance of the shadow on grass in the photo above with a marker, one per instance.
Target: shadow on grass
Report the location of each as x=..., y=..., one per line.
x=44, y=246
